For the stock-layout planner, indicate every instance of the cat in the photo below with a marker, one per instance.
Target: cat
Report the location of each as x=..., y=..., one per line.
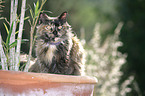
x=58, y=49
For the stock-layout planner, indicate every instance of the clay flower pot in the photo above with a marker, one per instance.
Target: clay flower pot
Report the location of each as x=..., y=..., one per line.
x=13, y=83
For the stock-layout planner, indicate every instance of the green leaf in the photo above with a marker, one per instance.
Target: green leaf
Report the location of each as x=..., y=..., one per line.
x=2, y=18
x=16, y=32
x=3, y=42
x=24, y=40
x=13, y=44
x=6, y=28
x=36, y=8
x=9, y=35
x=26, y=18
x=31, y=12
x=29, y=22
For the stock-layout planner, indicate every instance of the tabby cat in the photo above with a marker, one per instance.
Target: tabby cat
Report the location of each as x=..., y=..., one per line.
x=58, y=50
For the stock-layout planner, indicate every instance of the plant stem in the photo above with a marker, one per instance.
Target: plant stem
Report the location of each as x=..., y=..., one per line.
x=20, y=34
x=31, y=36
x=13, y=16
x=12, y=10
x=3, y=56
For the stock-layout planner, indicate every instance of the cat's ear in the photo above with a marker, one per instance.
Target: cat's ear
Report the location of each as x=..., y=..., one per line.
x=63, y=17
x=43, y=18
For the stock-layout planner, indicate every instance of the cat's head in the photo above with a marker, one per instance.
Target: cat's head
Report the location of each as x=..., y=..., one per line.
x=53, y=30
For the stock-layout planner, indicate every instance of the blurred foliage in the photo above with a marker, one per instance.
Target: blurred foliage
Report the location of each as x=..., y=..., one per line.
x=132, y=13
x=83, y=16
x=104, y=62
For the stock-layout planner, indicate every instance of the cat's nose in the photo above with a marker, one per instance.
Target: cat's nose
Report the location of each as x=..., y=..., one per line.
x=55, y=33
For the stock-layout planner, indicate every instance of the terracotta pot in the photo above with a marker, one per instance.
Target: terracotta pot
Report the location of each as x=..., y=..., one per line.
x=13, y=83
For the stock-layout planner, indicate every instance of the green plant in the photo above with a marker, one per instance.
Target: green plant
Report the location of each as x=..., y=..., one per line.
x=10, y=55
x=7, y=46
x=10, y=50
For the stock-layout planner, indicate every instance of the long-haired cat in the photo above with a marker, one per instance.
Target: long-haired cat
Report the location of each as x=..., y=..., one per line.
x=58, y=50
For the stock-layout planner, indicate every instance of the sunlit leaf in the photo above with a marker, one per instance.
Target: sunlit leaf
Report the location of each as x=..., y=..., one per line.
x=36, y=8
x=15, y=43
x=6, y=28
x=31, y=12
x=12, y=44
x=9, y=35
x=26, y=18
x=16, y=32
x=3, y=42
x=34, y=5
x=29, y=22
x=24, y=40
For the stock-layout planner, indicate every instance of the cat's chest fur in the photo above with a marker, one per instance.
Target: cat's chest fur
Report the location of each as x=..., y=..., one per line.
x=45, y=52
x=50, y=53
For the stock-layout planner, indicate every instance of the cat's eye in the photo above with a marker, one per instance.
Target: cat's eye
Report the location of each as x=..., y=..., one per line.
x=60, y=27
x=47, y=27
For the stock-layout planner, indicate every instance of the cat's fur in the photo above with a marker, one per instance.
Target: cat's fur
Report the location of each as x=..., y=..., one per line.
x=58, y=50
